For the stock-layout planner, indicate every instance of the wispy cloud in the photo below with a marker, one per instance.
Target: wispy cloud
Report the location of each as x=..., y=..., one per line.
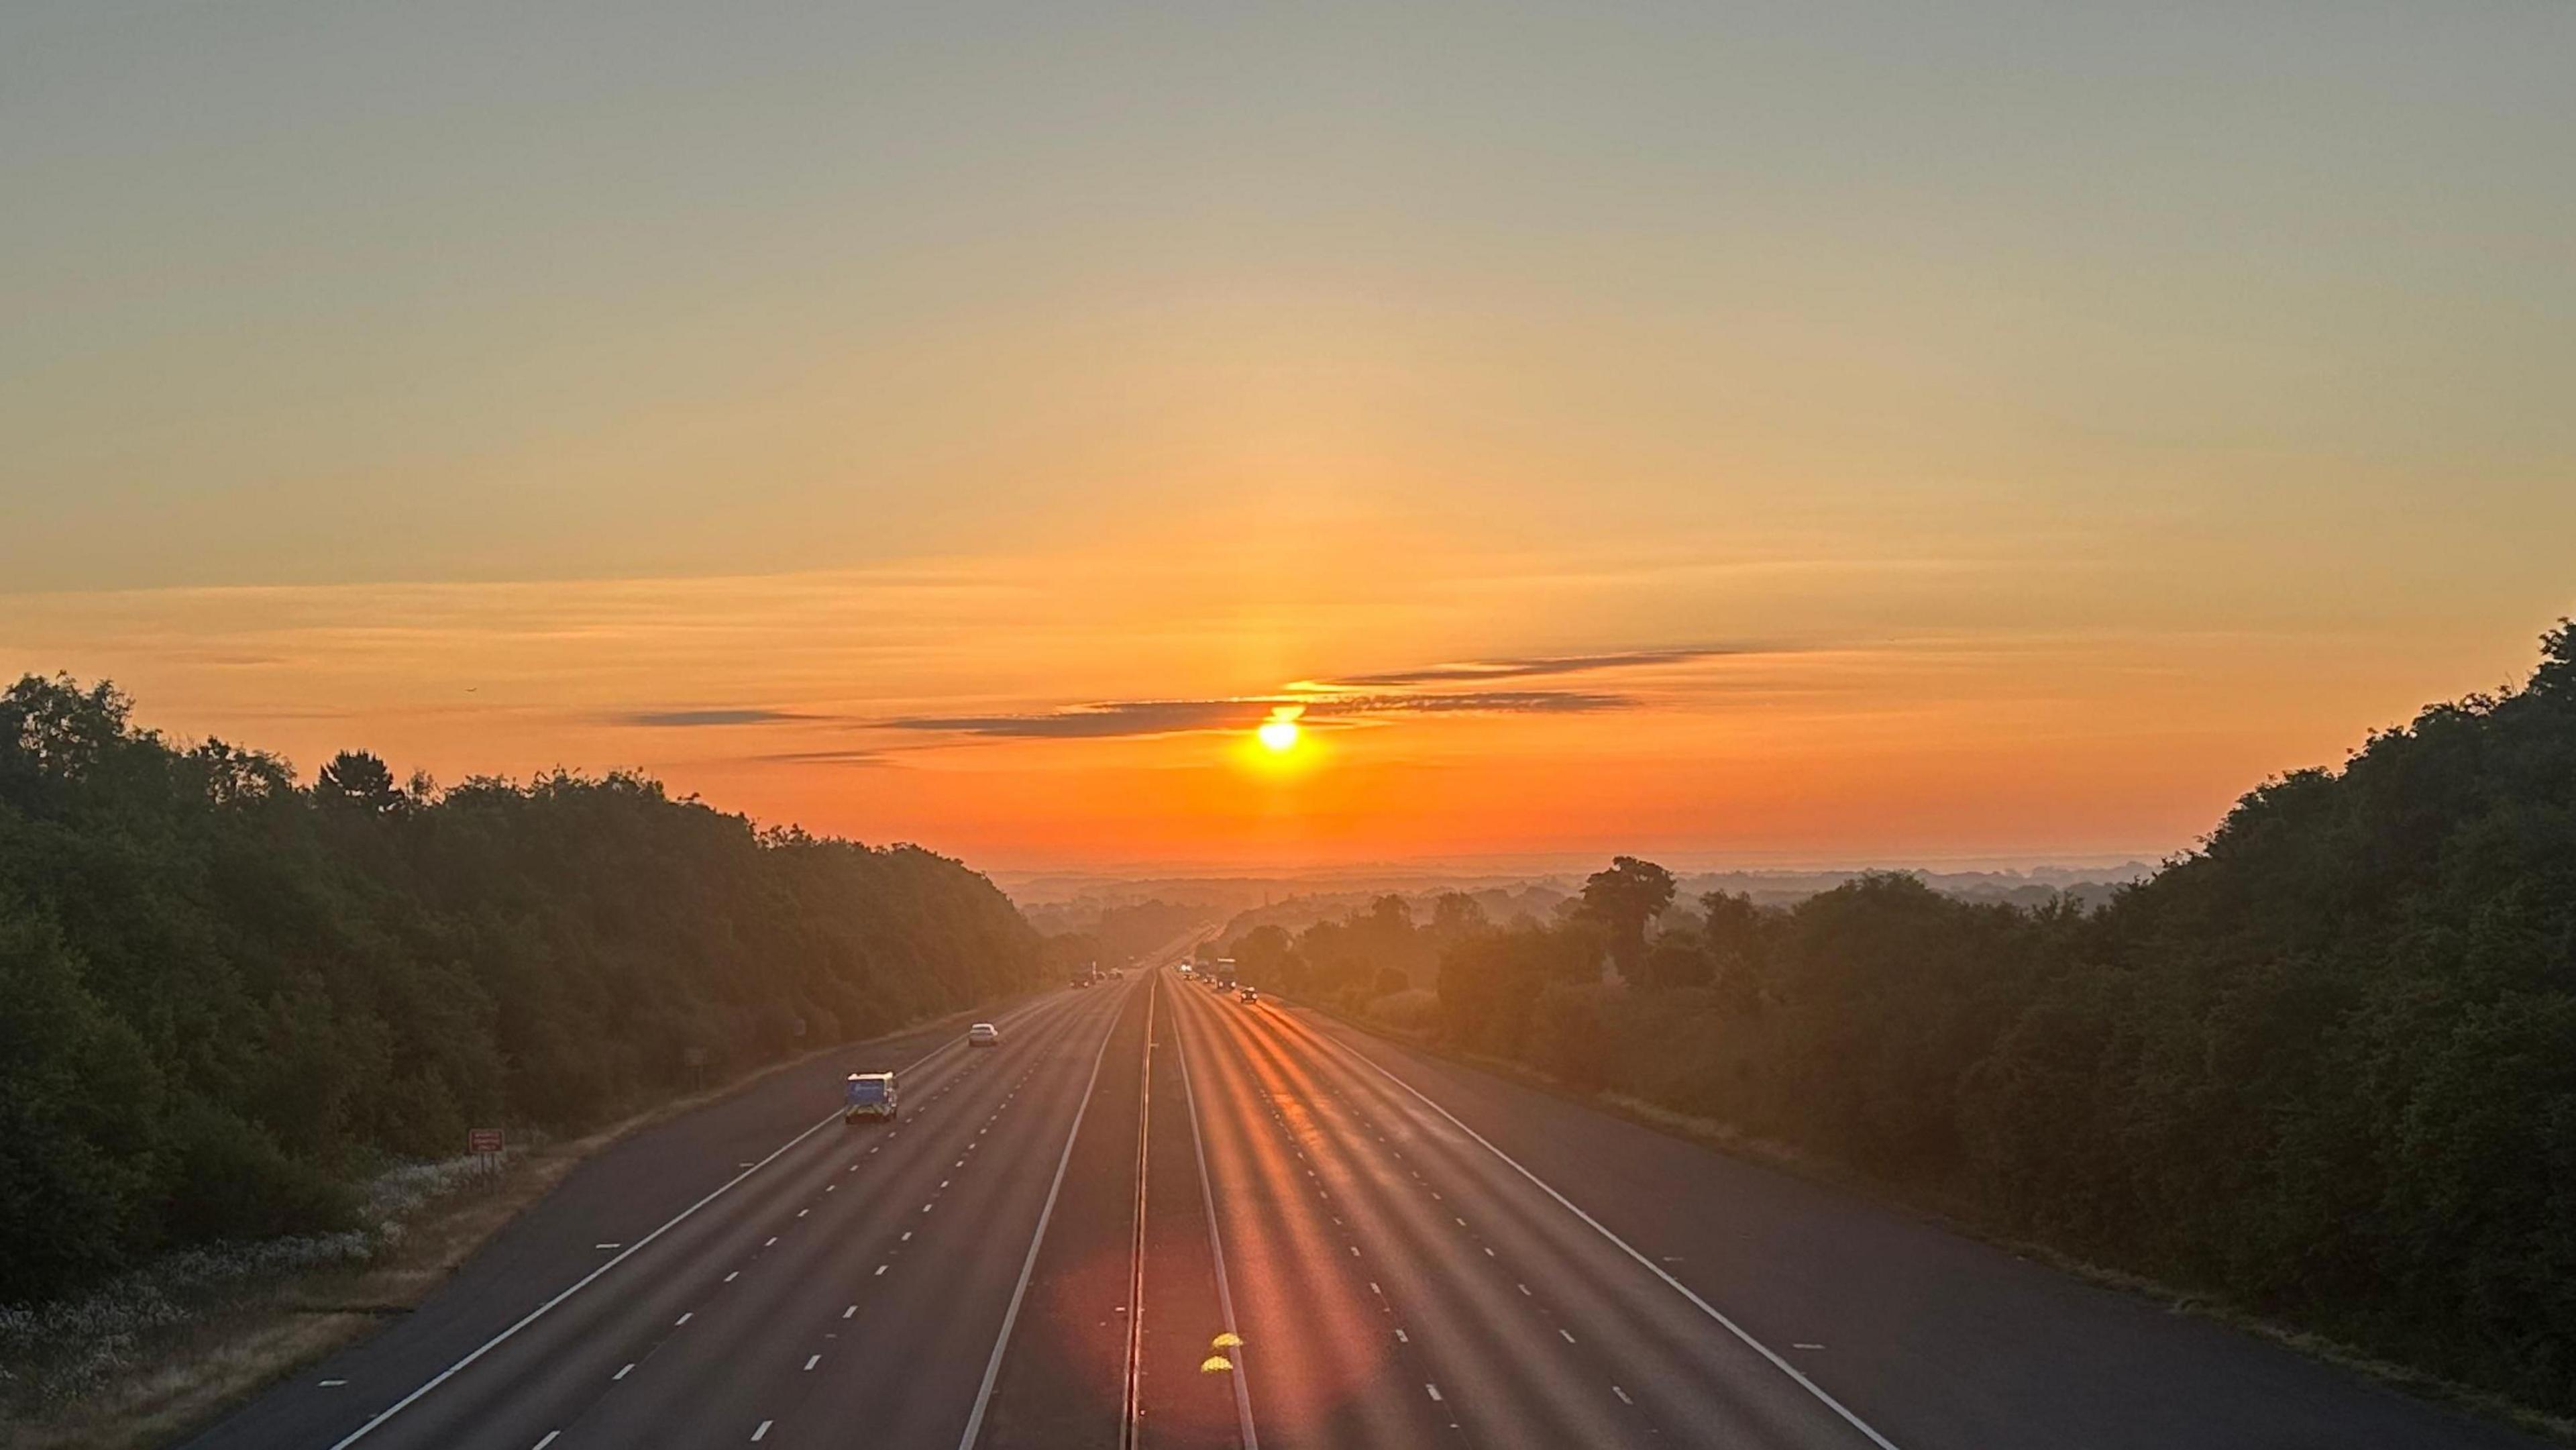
x=824, y=757
x=1117, y=718
x=1473, y=671
x=1476, y=702
x=1341, y=701
x=1101, y=721
x=664, y=719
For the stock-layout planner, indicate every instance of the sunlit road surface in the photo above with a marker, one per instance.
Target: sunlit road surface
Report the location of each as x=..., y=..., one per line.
x=1158, y=1216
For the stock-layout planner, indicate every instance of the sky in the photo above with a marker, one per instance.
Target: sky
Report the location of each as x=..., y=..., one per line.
x=1799, y=433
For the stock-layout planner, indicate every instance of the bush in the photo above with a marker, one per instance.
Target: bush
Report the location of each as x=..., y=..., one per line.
x=1413, y=1009
x=236, y=1183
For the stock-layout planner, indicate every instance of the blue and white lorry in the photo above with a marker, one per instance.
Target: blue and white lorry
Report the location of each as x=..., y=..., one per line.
x=868, y=1097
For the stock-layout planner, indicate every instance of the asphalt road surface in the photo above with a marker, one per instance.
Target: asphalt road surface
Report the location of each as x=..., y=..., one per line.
x=1157, y=1216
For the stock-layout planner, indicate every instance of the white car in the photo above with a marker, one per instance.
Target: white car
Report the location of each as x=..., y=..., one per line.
x=983, y=1034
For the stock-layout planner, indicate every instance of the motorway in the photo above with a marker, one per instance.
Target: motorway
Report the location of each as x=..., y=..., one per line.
x=1157, y=1216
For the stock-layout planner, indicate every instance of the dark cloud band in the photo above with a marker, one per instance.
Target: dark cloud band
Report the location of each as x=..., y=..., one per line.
x=1348, y=700
x=1094, y=722
x=1175, y=717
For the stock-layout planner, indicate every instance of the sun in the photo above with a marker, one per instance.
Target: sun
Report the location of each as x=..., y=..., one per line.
x=1279, y=735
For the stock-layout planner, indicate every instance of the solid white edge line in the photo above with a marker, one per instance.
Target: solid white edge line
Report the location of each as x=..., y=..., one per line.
x=584, y=1282
x=1028, y=1266
x=1216, y=1246
x=1678, y=1287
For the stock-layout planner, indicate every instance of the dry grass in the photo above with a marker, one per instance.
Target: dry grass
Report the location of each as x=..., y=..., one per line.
x=160, y=1350
x=167, y=1349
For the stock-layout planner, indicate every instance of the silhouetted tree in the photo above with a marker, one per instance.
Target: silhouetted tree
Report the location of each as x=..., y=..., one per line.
x=1623, y=899
x=1455, y=914
x=359, y=781
x=1676, y=958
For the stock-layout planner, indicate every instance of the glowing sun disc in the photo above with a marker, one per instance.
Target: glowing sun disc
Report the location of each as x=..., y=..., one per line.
x=1278, y=734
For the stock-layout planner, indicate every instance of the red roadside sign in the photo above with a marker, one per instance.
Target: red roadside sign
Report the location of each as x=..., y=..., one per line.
x=483, y=1140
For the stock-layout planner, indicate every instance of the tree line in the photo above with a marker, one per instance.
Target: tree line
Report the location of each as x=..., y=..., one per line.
x=1118, y=935
x=225, y=995
x=2323, y=1067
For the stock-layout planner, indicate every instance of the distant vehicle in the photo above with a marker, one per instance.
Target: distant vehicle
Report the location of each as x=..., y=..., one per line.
x=868, y=1096
x=1250, y=994
x=1079, y=980
x=1185, y=969
x=983, y=1034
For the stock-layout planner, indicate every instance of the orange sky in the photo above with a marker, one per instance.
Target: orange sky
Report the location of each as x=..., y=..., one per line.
x=1075, y=711
x=1800, y=433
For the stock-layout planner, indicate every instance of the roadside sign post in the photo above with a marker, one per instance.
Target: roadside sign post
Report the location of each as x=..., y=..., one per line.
x=485, y=1145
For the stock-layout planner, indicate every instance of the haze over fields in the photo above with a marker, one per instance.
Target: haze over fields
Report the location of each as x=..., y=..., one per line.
x=1758, y=437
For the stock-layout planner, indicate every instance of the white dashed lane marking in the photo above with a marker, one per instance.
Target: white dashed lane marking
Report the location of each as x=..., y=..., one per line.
x=623, y=1373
